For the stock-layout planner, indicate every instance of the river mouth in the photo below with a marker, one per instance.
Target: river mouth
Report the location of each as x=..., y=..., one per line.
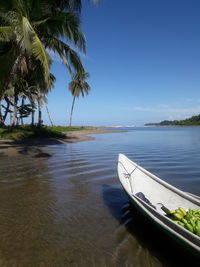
x=69, y=209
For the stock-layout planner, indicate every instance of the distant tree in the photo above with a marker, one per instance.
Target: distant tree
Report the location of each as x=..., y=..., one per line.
x=78, y=86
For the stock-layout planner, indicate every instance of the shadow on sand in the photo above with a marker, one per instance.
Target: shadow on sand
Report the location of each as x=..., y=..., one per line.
x=147, y=234
x=32, y=147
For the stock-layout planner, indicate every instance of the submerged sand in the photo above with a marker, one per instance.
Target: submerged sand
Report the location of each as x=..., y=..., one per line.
x=33, y=145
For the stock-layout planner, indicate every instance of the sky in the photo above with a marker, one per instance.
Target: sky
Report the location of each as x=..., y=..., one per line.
x=143, y=57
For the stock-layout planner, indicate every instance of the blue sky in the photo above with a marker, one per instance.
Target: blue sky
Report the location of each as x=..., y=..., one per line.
x=143, y=57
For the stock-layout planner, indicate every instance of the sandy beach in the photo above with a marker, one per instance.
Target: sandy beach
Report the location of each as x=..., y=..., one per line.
x=34, y=146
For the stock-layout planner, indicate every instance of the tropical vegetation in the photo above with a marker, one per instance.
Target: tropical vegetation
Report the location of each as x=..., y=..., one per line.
x=30, y=31
x=78, y=86
x=192, y=121
x=28, y=131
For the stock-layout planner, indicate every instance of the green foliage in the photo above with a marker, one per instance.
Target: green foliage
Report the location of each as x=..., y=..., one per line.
x=29, y=31
x=32, y=27
x=192, y=121
x=78, y=85
x=22, y=132
x=28, y=131
x=67, y=129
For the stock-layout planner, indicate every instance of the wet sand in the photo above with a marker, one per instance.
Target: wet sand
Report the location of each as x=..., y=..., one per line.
x=33, y=145
x=84, y=135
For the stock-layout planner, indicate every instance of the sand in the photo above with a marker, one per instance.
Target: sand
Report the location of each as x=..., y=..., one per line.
x=36, y=146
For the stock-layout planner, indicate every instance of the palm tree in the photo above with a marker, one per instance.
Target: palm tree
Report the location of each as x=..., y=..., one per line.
x=37, y=91
x=78, y=86
x=29, y=29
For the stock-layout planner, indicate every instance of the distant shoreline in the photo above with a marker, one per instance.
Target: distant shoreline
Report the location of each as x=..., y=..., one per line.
x=192, y=121
x=160, y=125
x=32, y=146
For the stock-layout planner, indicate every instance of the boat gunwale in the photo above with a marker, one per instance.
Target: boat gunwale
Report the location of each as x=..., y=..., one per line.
x=140, y=204
x=149, y=212
x=160, y=181
x=163, y=227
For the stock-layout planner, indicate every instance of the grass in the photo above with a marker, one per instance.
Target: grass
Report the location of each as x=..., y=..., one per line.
x=28, y=131
x=66, y=129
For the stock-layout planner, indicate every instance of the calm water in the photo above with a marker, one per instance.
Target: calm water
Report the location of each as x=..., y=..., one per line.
x=70, y=210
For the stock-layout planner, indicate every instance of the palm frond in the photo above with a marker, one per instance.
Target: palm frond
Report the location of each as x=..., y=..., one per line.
x=78, y=85
x=20, y=6
x=75, y=60
x=38, y=8
x=6, y=5
x=7, y=58
x=69, y=56
x=39, y=22
x=80, y=75
x=5, y=20
x=52, y=80
x=27, y=32
x=66, y=25
x=32, y=27
x=6, y=33
x=71, y=5
x=40, y=54
x=5, y=48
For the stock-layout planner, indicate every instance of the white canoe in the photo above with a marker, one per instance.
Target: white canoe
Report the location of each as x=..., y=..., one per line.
x=135, y=179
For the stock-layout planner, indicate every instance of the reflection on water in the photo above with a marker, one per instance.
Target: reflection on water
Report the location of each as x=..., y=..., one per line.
x=70, y=210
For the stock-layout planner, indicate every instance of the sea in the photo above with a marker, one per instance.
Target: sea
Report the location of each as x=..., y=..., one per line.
x=70, y=209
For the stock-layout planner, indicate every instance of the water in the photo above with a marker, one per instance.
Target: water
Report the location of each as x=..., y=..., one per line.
x=70, y=209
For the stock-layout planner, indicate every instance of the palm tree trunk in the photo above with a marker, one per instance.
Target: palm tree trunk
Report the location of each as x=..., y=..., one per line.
x=49, y=115
x=22, y=104
x=7, y=109
x=12, y=113
x=11, y=119
x=1, y=116
x=32, y=117
x=39, y=109
x=39, y=115
x=32, y=111
x=15, y=120
x=70, y=121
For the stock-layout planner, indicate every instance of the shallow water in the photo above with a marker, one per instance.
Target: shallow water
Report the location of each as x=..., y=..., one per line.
x=70, y=209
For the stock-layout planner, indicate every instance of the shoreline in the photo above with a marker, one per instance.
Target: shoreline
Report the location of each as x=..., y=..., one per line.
x=32, y=146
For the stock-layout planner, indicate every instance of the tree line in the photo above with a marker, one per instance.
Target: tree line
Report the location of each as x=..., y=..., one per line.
x=29, y=31
x=192, y=121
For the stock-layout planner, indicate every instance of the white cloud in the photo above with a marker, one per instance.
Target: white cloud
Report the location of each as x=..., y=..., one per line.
x=165, y=112
x=163, y=109
x=189, y=100
x=163, y=106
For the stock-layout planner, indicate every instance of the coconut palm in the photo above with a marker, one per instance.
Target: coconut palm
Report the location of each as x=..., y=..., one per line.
x=78, y=86
x=30, y=29
x=37, y=91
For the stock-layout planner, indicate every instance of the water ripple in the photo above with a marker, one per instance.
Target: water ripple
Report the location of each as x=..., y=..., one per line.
x=70, y=209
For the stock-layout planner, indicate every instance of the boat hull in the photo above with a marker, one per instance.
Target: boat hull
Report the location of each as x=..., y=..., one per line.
x=176, y=232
